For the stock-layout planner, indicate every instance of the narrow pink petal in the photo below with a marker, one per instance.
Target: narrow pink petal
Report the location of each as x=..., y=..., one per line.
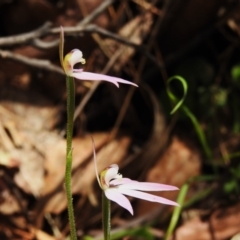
x=94, y=77
x=121, y=181
x=77, y=70
x=147, y=186
x=99, y=77
x=114, y=195
x=120, y=80
x=147, y=196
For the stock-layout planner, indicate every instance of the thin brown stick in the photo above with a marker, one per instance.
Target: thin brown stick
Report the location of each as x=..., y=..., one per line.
x=33, y=62
x=25, y=37
x=45, y=29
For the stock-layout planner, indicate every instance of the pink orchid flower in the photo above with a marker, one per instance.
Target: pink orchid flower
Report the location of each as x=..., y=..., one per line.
x=76, y=56
x=115, y=187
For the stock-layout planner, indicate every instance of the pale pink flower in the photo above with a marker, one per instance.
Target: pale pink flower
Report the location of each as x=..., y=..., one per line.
x=115, y=187
x=76, y=56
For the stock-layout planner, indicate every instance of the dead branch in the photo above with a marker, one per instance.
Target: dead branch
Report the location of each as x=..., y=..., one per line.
x=42, y=64
x=25, y=37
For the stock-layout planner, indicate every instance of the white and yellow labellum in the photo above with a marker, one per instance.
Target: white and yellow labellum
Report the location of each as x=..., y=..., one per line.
x=109, y=174
x=72, y=58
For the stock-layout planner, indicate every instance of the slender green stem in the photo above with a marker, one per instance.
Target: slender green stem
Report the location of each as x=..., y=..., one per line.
x=106, y=217
x=68, y=171
x=200, y=133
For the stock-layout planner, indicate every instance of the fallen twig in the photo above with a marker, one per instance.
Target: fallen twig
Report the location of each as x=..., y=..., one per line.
x=33, y=62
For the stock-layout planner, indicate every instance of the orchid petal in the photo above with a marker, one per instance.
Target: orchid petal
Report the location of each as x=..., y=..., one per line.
x=73, y=57
x=96, y=76
x=114, y=195
x=77, y=70
x=120, y=181
x=112, y=172
x=76, y=56
x=147, y=196
x=147, y=186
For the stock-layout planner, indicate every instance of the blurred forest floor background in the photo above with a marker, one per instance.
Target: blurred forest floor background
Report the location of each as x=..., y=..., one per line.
x=145, y=41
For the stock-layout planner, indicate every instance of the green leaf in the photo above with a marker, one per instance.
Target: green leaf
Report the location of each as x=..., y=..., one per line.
x=230, y=186
x=138, y=233
x=87, y=238
x=235, y=72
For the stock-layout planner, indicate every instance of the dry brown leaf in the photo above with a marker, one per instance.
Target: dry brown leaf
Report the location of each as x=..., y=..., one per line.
x=30, y=177
x=135, y=31
x=31, y=159
x=41, y=235
x=223, y=224
x=9, y=204
x=25, y=130
x=6, y=159
x=236, y=236
x=18, y=113
x=175, y=167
